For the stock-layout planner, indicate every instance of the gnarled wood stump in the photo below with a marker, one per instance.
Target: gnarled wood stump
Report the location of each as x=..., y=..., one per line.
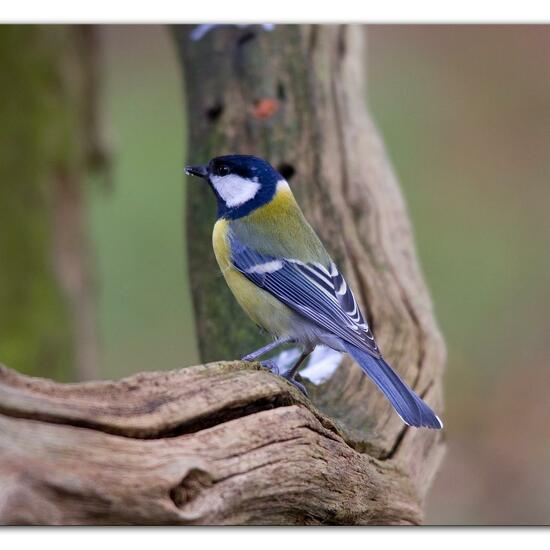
x=296, y=96
x=225, y=443
x=230, y=443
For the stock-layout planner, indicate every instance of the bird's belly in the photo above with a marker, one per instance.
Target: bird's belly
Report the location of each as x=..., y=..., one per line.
x=264, y=309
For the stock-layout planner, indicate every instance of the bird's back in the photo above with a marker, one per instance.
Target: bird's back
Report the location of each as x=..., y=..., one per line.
x=280, y=229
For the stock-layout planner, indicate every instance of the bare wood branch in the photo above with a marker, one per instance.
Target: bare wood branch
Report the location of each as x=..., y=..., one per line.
x=226, y=443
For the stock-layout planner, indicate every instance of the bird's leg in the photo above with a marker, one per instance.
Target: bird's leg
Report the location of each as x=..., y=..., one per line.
x=272, y=365
x=269, y=364
x=291, y=373
x=262, y=351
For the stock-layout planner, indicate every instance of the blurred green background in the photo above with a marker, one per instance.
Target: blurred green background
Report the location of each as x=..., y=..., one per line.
x=145, y=314
x=465, y=115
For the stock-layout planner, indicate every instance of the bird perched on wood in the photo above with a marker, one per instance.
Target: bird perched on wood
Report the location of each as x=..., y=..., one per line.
x=284, y=279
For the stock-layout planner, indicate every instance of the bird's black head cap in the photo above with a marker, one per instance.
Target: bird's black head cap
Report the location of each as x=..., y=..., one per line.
x=241, y=183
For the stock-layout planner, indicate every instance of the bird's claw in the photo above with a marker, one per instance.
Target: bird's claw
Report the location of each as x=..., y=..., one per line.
x=271, y=366
x=296, y=384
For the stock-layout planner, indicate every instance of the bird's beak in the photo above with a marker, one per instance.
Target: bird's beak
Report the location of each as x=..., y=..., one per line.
x=200, y=171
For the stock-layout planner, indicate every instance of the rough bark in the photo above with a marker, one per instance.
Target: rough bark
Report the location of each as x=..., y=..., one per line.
x=226, y=443
x=48, y=143
x=296, y=96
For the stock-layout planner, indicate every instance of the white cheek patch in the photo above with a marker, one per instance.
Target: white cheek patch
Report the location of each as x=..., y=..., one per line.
x=235, y=190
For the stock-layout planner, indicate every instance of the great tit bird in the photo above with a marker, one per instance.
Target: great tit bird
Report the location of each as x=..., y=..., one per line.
x=284, y=279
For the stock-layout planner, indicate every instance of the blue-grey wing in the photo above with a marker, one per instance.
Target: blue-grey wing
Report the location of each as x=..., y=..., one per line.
x=316, y=292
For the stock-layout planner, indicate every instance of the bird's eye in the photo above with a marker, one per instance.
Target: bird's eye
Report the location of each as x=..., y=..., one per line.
x=223, y=170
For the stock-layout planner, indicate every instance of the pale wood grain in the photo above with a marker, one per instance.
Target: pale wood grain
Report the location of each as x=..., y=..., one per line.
x=226, y=443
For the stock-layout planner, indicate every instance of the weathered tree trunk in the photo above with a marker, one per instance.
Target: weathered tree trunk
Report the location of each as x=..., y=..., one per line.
x=223, y=444
x=230, y=443
x=296, y=96
x=48, y=142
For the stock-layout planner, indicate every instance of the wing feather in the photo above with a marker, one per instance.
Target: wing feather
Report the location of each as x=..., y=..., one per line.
x=315, y=292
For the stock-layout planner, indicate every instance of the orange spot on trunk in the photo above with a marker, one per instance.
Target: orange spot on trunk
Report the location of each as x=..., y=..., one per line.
x=264, y=108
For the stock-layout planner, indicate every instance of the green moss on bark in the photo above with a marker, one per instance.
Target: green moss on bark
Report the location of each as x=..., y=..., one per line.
x=38, y=143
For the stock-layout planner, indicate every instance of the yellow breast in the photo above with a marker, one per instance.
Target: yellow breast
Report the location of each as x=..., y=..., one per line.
x=220, y=244
x=265, y=310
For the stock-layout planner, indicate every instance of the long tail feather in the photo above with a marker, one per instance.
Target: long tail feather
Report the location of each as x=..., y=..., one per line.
x=412, y=410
